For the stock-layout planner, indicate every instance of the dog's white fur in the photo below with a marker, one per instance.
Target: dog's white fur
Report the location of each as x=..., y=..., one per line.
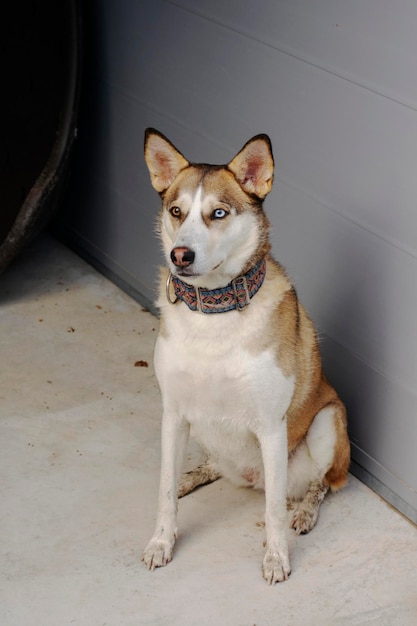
x=247, y=383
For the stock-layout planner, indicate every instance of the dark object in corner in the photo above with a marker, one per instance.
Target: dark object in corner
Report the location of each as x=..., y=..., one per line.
x=40, y=68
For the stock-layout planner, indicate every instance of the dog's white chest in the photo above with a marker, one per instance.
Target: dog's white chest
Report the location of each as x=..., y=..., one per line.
x=210, y=373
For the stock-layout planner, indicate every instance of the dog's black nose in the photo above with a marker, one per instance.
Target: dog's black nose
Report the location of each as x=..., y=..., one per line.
x=182, y=257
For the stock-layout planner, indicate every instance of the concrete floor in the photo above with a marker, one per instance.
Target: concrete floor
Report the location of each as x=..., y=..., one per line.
x=79, y=472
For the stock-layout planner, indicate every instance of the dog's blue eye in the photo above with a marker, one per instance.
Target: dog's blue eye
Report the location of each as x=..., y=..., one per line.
x=218, y=214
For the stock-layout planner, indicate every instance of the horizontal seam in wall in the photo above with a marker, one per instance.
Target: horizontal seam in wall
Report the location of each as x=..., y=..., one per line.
x=392, y=379
x=374, y=232
x=298, y=57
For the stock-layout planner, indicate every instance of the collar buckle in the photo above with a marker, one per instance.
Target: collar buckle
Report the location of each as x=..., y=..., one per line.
x=198, y=303
x=241, y=291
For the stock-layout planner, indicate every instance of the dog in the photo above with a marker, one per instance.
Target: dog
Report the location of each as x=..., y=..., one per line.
x=237, y=357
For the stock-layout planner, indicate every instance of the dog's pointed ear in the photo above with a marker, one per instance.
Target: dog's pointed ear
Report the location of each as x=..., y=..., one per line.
x=253, y=166
x=164, y=161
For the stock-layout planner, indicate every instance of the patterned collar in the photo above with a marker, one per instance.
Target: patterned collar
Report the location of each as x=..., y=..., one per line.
x=235, y=296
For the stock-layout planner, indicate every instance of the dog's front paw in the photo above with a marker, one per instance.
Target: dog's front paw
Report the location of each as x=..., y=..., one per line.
x=275, y=567
x=158, y=553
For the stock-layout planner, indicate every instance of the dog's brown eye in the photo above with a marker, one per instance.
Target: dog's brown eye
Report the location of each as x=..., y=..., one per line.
x=175, y=211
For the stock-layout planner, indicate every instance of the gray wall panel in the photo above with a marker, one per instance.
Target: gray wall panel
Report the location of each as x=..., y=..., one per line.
x=368, y=42
x=360, y=288
x=333, y=83
x=382, y=424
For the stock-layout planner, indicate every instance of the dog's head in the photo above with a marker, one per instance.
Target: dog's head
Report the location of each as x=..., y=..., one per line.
x=211, y=223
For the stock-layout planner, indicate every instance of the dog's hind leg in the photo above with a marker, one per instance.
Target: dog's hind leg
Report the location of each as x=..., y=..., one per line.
x=204, y=474
x=306, y=512
x=320, y=463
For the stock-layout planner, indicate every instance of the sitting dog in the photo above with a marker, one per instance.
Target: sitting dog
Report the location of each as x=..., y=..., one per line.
x=237, y=357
